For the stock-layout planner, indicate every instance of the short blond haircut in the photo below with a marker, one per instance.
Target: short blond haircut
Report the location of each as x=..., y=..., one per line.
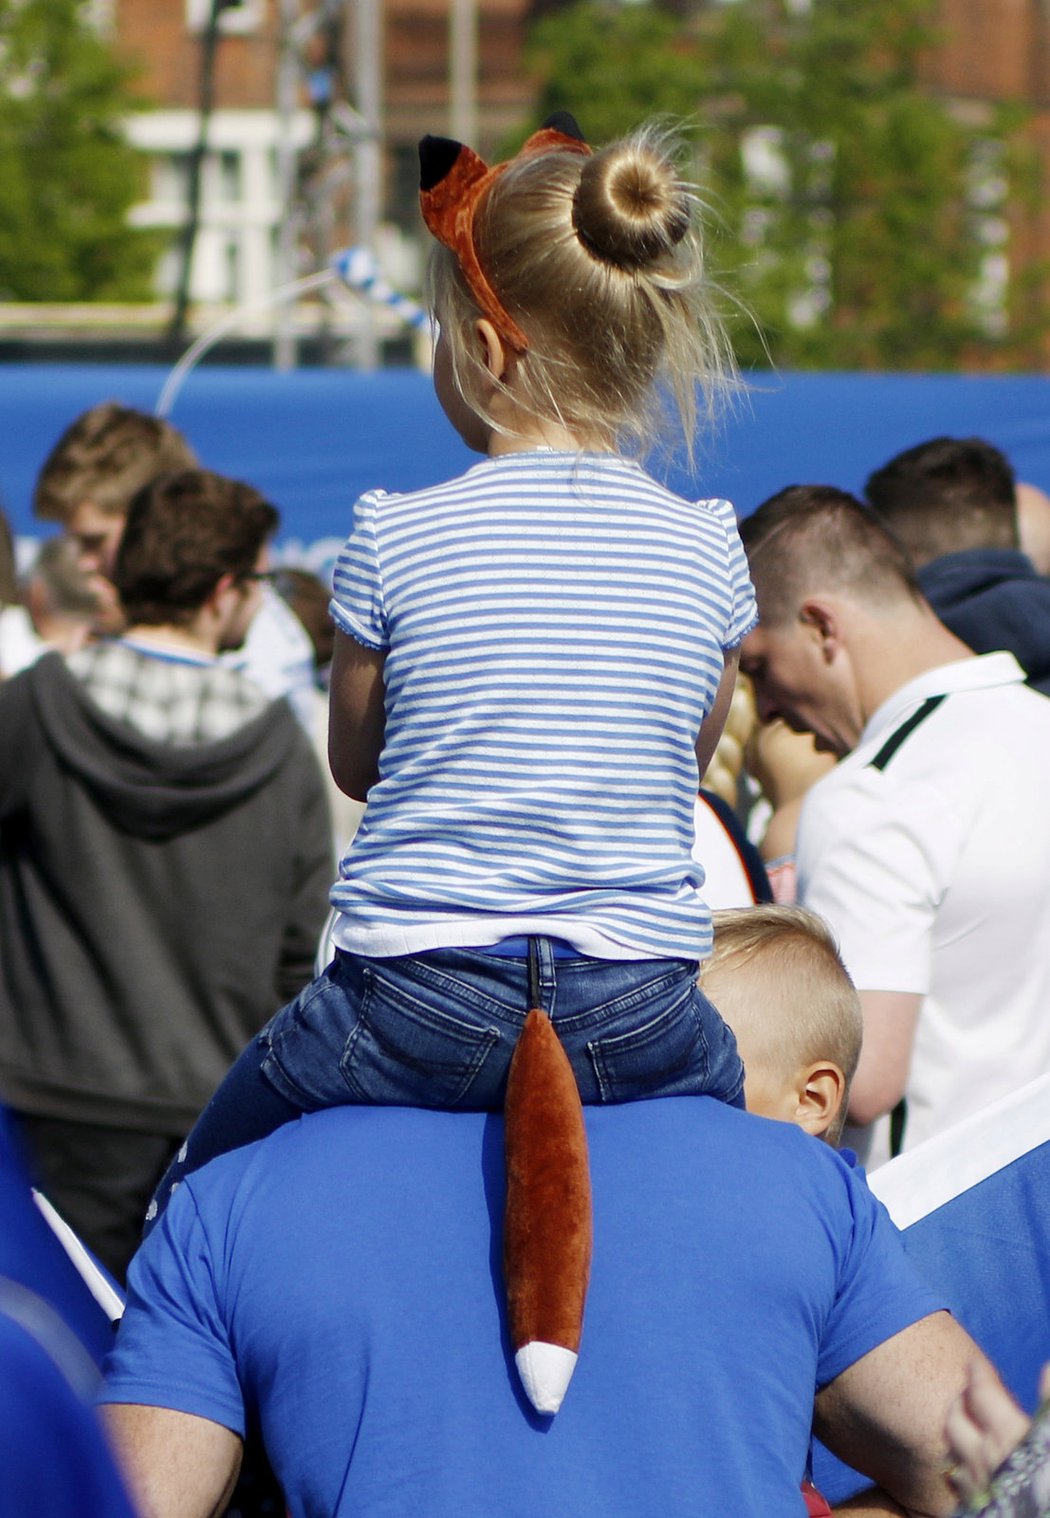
x=104, y=456
x=815, y=538
x=803, y=999
x=600, y=261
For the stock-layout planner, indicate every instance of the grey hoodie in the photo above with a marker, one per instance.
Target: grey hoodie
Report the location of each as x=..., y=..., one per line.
x=157, y=904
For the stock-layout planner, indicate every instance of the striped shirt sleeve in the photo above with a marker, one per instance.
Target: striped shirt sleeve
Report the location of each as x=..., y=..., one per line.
x=358, y=607
x=745, y=609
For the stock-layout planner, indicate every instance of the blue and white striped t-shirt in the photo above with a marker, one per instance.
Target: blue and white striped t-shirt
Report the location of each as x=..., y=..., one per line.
x=553, y=626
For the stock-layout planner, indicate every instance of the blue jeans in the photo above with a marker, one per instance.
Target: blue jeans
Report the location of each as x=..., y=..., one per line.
x=439, y=1029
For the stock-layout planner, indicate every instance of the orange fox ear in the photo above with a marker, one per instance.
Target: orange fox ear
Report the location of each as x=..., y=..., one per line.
x=452, y=182
x=561, y=130
x=449, y=173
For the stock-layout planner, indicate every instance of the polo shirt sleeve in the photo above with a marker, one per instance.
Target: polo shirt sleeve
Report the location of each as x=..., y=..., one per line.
x=744, y=613
x=357, y=604
x=878, y=1293
x=173, y=1349
x=875, y=859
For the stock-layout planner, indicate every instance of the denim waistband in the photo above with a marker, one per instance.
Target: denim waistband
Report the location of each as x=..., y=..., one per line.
x=518, y=948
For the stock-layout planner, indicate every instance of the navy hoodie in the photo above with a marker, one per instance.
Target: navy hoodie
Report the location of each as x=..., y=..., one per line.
x=994, y=598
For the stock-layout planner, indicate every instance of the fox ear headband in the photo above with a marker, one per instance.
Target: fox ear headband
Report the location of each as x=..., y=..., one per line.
x=453, y=181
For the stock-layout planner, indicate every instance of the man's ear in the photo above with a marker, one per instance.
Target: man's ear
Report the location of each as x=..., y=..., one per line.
x=218, y=603
x=494, y=355
x=822, y=618
x=821, y=1092
x=222, y=585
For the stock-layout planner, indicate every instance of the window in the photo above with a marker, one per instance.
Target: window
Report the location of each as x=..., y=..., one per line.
x=234, y=15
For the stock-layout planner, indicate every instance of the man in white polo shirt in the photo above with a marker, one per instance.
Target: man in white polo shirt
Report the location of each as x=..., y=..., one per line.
x=927, y=849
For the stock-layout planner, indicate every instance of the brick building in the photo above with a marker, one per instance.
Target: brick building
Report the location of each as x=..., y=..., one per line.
x=999, y=51
x=359, y=186
x=322, y=106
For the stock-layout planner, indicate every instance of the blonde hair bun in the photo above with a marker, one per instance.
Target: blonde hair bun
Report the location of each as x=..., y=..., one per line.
x=630, y=208
x=599, y=260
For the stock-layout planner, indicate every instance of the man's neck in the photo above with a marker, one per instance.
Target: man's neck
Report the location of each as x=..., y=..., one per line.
x=171, y=638
x=899, y=650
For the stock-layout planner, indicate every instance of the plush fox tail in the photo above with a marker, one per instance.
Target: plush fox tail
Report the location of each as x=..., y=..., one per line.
x=547, y=1226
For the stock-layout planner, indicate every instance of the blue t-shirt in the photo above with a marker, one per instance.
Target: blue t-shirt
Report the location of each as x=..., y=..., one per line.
x=54, y=1460
x=341, y=1283
x=554, y=627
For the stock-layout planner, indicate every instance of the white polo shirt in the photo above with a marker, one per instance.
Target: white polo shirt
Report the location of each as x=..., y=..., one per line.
x=927, y=850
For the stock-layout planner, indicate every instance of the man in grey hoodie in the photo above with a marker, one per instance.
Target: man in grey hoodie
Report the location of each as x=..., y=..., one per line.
x=165, y=860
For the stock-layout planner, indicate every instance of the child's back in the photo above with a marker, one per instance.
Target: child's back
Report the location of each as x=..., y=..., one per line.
x=555, y=626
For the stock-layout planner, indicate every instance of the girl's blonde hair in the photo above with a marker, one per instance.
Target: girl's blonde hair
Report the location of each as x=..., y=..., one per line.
x=600, y=261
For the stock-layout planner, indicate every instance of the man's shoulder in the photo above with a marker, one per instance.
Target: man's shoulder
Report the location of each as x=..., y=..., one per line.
x=978, y=697
x=172, y=701
x=972, y=574
x=683, y=1146
x=969, y=730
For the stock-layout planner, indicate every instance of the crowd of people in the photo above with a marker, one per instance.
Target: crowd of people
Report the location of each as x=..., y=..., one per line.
x=531, y=679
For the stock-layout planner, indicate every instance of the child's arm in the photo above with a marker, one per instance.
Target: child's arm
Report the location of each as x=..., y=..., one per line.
x=356, y=717
x=715, y=721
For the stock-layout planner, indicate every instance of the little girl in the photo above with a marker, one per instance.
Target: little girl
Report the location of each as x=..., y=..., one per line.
x=532, y=668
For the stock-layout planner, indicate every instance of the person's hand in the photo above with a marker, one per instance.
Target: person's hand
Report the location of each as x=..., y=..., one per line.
x=984, y=1424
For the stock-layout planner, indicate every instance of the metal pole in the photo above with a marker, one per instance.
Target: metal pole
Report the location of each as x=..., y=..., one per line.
x=463, y=71
x=187, y=241
x=368, y=88
x=285, y=346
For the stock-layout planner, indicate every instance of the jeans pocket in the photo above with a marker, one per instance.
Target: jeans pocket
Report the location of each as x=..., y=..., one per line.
x=664, y=1056
x=406, y=1048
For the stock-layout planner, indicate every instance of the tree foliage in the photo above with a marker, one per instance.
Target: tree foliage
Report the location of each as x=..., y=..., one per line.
x=614, y=66
x=69, y=177
x=858, y=210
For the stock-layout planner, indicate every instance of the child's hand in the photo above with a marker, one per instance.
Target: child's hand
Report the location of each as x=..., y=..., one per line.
x=983, y=1425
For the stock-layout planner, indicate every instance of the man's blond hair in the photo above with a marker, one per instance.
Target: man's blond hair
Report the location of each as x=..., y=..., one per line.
x=799, y=992
x=104, y=456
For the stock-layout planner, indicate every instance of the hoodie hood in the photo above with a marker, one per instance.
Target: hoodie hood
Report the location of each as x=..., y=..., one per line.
x=994, y=598
x=153, y=790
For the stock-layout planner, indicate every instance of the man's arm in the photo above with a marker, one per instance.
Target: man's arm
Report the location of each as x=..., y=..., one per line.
x=176, y=1465
x=886, y=1416
x=356, y=715
x=874, y=1504
x=890, y=1020
x=875, y=860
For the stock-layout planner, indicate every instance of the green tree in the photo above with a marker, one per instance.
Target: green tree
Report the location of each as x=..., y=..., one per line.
x=856, y=207
x=614, y=65
x=69, y=177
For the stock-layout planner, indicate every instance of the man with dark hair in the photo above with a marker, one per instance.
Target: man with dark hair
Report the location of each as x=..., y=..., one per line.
x=927, y=849
x=166, y=861
x=183, y=533
x=953, y=504
x=87, y=482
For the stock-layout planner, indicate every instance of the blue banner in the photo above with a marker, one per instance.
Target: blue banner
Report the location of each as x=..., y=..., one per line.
x=312, y=440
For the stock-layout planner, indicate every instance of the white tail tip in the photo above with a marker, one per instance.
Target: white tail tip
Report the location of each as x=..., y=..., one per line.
x=545, y=1371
